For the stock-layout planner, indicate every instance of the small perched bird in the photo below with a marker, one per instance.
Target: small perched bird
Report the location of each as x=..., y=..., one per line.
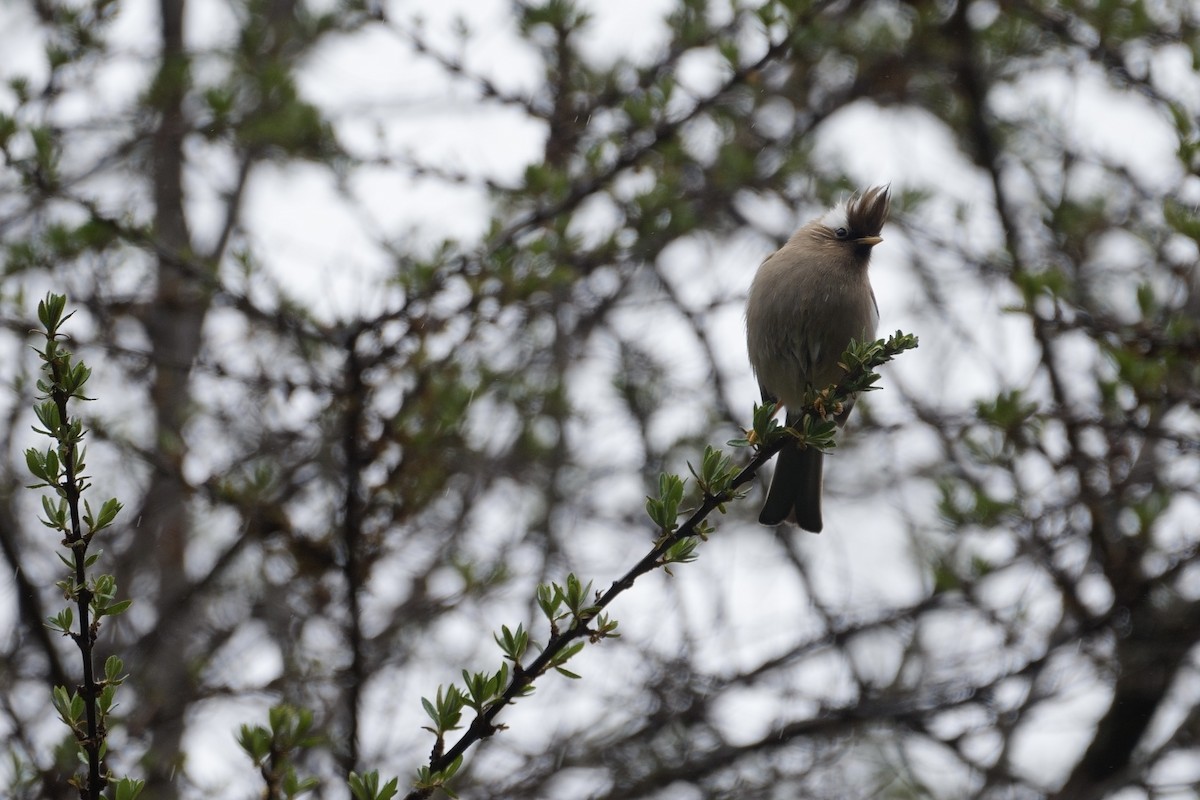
x=808, y=300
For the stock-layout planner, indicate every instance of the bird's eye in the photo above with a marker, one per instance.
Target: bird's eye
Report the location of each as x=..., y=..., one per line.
x=841, y=233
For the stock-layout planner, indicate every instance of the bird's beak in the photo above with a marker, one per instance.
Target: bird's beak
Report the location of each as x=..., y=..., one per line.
x=868, y=241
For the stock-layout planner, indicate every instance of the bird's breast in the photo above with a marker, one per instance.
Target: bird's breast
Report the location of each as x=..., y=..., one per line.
x=804, y=317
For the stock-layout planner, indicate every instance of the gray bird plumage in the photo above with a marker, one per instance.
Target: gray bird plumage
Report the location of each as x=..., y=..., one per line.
x=807, y=301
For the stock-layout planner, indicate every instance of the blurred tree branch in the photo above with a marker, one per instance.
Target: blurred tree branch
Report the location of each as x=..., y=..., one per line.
x=332, y=491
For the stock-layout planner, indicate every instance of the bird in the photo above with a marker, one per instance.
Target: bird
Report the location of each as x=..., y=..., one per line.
x=807, y=301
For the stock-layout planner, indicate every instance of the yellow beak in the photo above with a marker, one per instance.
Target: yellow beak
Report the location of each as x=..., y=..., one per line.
x=868, y=241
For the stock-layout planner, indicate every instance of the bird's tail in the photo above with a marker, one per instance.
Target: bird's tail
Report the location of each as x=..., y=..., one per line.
x=795, y=493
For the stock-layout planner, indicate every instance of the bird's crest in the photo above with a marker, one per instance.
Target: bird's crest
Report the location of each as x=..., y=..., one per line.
x=867, y=212
x=861, y=214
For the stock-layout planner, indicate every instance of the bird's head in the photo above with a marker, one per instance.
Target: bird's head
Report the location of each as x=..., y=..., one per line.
x=855, y=223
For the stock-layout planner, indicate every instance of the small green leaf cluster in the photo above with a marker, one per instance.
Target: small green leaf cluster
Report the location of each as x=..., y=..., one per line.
x=71, y=706
x=513, y=643
x=577, y=603
x=60, y=242
x=1189, y=147
x=429, y=779
x=716, y=480
x=128, y=789
x=65, y=377
x=813, y=429
x=1155, y=359
x=716, y=474
x=482, y=689
x=101, y=593
x=664, y=509
x=1012, y=416
x=963, y=504
x=764, y=430
x=273, y=749
x=861, y=358
x=366, y=786
x=950, y=577
x=445, y=710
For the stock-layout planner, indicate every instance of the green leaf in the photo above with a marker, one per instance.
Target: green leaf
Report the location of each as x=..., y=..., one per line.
x=75, y=378
x=35, y=462
x=70, y=707
x=577, y=598
x=513, y=643
x=56, y=515
x=664, y=510
x=426, y=779
x=945, y=579
x=62, y=621
x=682, y=552
x=129, y=789
x=50, y=312
x=549, y=600
x=119, y=607
x=47, y=414
x=256, y=741
x=452, y=768
x=566, y=654
x=366, y=787
x=446, y=710
x=112, y=669
x=294, y=786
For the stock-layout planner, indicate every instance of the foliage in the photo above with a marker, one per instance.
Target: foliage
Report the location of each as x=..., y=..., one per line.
x=372, y=383
x=87, y=710
x=273, y=749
